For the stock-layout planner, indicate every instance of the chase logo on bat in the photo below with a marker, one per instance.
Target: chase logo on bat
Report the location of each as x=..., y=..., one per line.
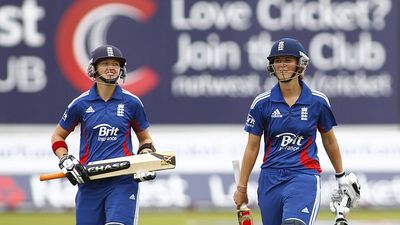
x=107, y=167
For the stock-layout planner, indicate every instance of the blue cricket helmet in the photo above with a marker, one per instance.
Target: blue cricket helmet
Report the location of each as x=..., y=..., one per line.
x=287, y=47
x=105, y=52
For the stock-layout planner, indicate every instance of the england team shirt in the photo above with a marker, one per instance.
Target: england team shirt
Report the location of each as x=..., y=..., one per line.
x=105, y=126
x=290, y=132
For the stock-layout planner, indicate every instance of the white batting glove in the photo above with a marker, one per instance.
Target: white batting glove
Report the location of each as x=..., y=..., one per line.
x=336, y=206
x=73, y=170
x=144, y=176
x=350, y=186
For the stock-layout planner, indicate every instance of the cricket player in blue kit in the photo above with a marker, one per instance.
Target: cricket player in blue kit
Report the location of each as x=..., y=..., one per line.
x=289, y=116
x=107, y=114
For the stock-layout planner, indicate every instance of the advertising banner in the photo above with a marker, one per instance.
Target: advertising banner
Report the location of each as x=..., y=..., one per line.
x=194, y=191
x=203, y=149
x=194, y=62
x=203, y=177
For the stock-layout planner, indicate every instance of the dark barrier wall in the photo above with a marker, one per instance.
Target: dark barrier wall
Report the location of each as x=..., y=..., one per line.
x=198, y=61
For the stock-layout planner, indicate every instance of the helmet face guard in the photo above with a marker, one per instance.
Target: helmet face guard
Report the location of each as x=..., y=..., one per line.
x=288, y=47
x=106, y=52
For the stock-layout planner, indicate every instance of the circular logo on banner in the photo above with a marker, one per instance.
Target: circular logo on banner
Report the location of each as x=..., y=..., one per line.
x=84, y=27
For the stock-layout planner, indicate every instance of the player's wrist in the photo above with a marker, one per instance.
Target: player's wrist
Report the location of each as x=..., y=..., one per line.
x=63, y=156
x=58, y=145
x=340, y=177
x=340, y=174
x=146, y=148
x=241, y=189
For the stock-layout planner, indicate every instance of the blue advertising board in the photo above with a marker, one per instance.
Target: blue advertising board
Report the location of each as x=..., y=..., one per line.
x=195, y=62
x=184, y=191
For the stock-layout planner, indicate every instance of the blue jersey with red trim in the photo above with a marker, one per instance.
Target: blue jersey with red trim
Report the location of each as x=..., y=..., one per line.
x=105, y=126
x=290, y=132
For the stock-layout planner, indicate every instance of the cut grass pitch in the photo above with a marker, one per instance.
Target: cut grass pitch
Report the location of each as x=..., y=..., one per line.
x=182, y=218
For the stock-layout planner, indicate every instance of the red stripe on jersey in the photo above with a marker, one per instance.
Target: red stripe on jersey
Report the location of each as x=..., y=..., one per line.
x=125, y=143
x=135, y=126
x=308, y=162
x=85, y=156
x=320, y=129
x=72, y=128
x=267, y=152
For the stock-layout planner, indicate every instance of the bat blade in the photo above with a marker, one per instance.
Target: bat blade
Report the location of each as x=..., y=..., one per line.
x=131, y=164
x=124, y=165
x=243, y=213
x=244, y=216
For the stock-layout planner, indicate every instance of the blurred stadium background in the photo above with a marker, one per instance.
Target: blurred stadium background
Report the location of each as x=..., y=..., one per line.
x=197, y=65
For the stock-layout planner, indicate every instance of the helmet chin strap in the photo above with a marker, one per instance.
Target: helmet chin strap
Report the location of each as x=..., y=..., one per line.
x=294, y=75
x=108, y=81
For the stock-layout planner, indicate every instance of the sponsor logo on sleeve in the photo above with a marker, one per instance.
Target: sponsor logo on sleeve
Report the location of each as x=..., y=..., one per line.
x=250, y=121
x=65, y=116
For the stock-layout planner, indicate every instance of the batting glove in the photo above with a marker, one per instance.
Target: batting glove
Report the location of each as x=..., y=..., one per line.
x=350, y=186
x=144, y=176
x=336, y=206
x=73, y=170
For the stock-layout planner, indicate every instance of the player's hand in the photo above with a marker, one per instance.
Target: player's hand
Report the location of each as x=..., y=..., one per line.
x=146, y=148
x=350, y=186
x=144, y=176
x=145, y=151
x=240, y=196
x=336, y=205
x=73, y=170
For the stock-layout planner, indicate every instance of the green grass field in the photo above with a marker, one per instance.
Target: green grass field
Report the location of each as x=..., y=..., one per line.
x=183, y=218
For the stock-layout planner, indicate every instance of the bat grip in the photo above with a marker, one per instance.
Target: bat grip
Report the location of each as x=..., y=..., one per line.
x=236, y=170
x=244, y=207
x=340, y=214
x=51, y=176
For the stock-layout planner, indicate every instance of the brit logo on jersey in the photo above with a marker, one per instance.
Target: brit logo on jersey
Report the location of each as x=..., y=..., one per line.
x=290, y=142
x=106, y=132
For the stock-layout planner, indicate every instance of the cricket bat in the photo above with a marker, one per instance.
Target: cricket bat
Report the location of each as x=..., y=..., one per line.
x=243, y=213
x=124, y=165
x=340, y=211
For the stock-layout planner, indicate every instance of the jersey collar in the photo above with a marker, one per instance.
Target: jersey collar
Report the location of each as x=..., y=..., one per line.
x=305, y=95
x=94, y=96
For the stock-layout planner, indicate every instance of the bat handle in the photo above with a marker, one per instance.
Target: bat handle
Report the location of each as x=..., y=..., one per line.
x=236, y=170
x=244, y=207
x=340, y=214
x=51, y=176
x=341, y=222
